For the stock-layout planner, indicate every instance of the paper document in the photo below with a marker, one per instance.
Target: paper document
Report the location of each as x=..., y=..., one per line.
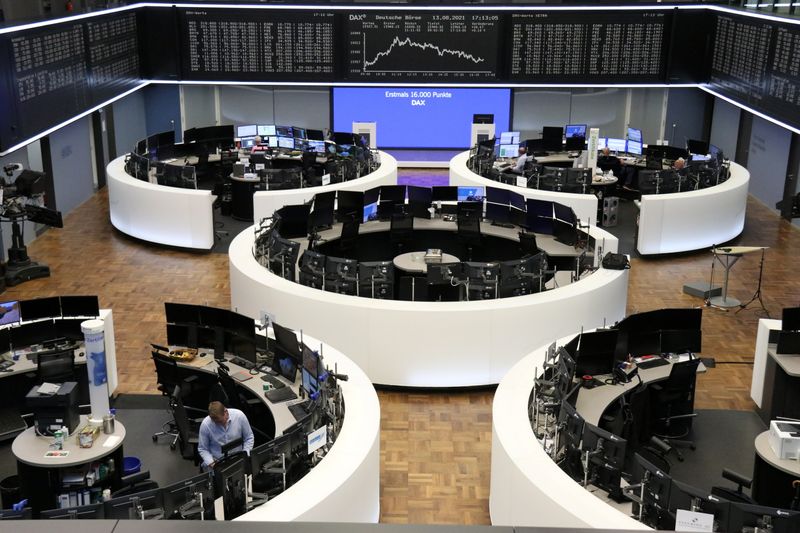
x=48, y=388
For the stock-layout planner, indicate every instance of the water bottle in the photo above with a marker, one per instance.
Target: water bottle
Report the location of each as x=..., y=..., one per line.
x=59, y=442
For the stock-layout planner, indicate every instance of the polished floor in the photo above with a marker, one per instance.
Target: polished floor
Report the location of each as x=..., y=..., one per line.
x=435, y=447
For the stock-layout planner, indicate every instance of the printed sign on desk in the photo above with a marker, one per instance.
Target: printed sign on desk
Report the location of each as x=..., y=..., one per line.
x=326, y=179
x=691, y=521
x=317, y=439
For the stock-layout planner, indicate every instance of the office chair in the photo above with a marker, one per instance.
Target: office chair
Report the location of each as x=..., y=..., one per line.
x=233, y=398
x=187, y=428
x=56, y=367
x=527, y=243
x=401, y=229
x=168, y=379
x=730, y=494
x=673, y=403
x=349, y=237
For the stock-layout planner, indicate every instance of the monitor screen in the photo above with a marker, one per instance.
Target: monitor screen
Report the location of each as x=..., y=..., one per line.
x=322, y=212
x=287, y=342
x=285, y=365
x=790, y=319
x=299, y=133
x=497, y=196
x=272, y=141
x=266, y=130
x=316, y=146
x=129, y=507
x=181, y=499
x=286, y=142
x=350, y=202
x=181, y=313
x=40, y=308
x=248, y=142
x=80, y=306
x=370, y=212
x=284, y=131
x=596, y=352
x=508, y=150
x=616, y=145
x=250, y=130
x=602, y=142
x=9, y=312
x=310, y=371
x=563, y=212
x=575, y=130
x=551, y=138
x=634, y=147
x=315, y=135
x=509, y=137
x=444, y=194
x=470, y=194
x=393, y=193
x=634, y=135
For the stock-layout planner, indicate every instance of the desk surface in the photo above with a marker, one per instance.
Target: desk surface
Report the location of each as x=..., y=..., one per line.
x=764, y=450
x=790, y=363
x=30, y=448
x=415, y=261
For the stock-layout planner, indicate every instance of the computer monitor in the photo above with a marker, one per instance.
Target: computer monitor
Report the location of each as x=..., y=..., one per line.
x=9, y=312
x=182, y=313
x=40, y=308
x=284, y=131
x=79, y=306
x=674, y=152
x=697, y=147
x=283, y=256
x=285, y=365
x=343, y=138
x=316, y=146
x=341, y=275
x=635, y=135
x=286, y=142
x=596, y=352
x=230, y=483
x=688, y=498
x=315, y=135
x=349, y=202
x=575, y=143
x=680, y=341
x=376, y=279
x=616, y=145
x=133, y=506
x=498, y=213
x=294, y=220
x=634, y=147
x=93, y=511
x=471, y=194
x=790, y=319
x=509, y=137
x=322, y=214
x=183, y=500
x=266, y=130
x=312, y=262
x=575, y=130
x=483, y=118
x=29, y=334
x=447, y=193
x=746, y=517
x=419, y=200
x=508, y=150
x=182, y=335
x=552, y=137
x=298, y=133
x=249, y=130
x=310, y=371
x=656, y=492
x=539, y=216
x=287, y=342
x=606, y=458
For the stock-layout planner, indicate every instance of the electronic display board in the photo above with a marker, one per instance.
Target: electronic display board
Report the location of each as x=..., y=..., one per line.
x=422, y=46
x=113, y=48
x=588, y=47
x=257, y=45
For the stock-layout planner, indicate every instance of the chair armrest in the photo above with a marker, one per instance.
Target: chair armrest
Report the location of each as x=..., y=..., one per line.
x=656, y=386
x=254, y=401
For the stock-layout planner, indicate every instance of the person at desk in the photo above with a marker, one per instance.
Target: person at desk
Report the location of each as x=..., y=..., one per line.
x=258, y=144
x=679, y=166
x=222, y=425
x=523, y=158
x=624, y=173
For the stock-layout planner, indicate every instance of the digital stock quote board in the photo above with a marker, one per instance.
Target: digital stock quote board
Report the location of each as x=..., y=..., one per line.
x=422, y=46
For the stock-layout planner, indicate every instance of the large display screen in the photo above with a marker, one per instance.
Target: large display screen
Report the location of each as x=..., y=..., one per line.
x=257, y=44
x=588, y=47
x=422, y=46
x=421, y=117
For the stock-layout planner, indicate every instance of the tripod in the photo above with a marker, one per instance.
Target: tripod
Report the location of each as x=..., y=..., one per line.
x=757, y=294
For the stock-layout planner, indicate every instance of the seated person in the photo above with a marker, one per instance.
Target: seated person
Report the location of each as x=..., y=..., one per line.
x=259, y=145
x=523, y=158
x=679, y=166
x=607, y=162
x=222, y=425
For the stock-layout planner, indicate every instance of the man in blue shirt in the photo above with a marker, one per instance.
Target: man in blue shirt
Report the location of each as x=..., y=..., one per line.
x=222, y=425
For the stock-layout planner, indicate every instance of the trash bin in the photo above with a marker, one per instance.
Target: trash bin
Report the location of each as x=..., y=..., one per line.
x=131, y=465
x=10, y=492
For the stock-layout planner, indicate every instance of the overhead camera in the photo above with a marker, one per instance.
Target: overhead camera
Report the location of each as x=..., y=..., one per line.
x=21, y=201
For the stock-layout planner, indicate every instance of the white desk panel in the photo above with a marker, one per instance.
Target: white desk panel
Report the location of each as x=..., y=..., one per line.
x=584, y=205
x=692, y=220
x=267, y=202
x=527, y=487
x=428, y=344
x=157, y=213
x=345, y=485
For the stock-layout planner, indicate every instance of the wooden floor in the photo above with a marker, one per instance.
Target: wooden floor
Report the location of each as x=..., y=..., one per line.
x=435, y=447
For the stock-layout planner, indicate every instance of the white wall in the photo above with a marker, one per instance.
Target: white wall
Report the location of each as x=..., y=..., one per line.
x=725, y=127
x=129, y=122
x=767, y=160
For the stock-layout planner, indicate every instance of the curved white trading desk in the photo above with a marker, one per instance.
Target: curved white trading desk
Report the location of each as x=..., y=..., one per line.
x=691, y=220
x=267, y=202
x=527, y=487
x=345, y=485
x=157, y=213
x=584, y=205
x=429, y=344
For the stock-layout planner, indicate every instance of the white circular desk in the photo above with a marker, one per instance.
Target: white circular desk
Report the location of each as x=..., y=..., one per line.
x=267, y=202
x=584, y=205
x=345, y=485
x=692, y=220
x=415, y=261
x=429, y=344
x=527, y=487
x=184, y=217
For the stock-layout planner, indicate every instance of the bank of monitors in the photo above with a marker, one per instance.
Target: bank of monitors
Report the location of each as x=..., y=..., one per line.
x=745, y=517
x=312, y=269
x=83, y=512
x=498, y=208
x=134, y=506
x=391, y=196
x=190, y=498
x=552, y=137
x=349, y=203
x=606, y=454
x=483, y=280
x=596, y=352
x=509, y=137
x=635, y=135
x=40, y=308
x=283, y=256
x=341, y=275
x=575, y=135
x=688, y=498
x=376, y=279
x=520, y=276
x=419, y=200
x=230, y=484
x=9, y=312
x=655, y=493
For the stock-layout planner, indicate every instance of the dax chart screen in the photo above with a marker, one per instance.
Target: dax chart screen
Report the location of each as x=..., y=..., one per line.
x=395, y=46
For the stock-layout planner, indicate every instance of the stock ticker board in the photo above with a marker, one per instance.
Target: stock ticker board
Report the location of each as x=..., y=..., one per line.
x=251, y=44
x=422, y=46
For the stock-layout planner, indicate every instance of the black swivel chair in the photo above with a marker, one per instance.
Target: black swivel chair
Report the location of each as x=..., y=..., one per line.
x=527, y=243
x=673, y=403
x=349, y=237
x=168, y=379
x=233, y=398
x=187, y=428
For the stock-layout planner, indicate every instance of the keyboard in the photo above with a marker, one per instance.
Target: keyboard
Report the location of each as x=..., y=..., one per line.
x=652, y=363
x=272, y=380
x=5, y=365
x=298, y=410
x=281, y=395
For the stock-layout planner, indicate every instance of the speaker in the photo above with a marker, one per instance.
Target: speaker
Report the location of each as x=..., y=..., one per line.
x=610, y=208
